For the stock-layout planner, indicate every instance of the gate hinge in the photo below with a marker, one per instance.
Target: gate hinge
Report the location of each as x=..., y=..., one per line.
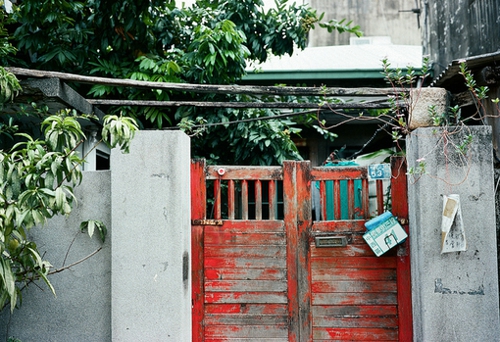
x=206, y=222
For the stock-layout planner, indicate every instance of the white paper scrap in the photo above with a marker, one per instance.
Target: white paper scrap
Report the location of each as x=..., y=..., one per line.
x=452, y=226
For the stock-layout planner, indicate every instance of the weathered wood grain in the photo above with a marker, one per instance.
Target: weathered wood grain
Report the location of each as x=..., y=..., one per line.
x=357, y=274
x=245, y=273
x=245, y=285
x=355, y=310
x=350, y=299
x=353, y=286
x=356, y=334
x=246, y=297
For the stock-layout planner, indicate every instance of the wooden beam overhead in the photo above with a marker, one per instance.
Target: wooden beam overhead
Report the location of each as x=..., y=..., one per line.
x=210, y=88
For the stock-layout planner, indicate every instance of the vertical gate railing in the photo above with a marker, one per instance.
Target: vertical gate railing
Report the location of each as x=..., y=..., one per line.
x=284, y=194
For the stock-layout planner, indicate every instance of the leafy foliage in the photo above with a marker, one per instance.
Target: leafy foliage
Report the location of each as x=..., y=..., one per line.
x=208, y=43
x=37, y=180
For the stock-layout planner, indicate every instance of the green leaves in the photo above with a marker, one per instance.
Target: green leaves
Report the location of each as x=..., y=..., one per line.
x=91, y=225
x=62, y=130
x=118, y=131
x=9, y=86
x=37, y=180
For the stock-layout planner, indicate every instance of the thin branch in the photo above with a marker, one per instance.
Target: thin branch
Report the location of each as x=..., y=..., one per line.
x=57, y=270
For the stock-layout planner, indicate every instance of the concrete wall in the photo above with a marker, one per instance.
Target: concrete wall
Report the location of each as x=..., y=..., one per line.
x=376, y=18
x=138, y=287
x=455, y=295
x=81, y=311
x=151, y=282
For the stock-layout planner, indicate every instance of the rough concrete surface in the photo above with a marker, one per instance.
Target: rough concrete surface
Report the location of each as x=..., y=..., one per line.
x=455, y=295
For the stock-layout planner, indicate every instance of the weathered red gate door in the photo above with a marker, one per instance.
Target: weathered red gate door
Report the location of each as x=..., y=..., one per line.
x=260, y=274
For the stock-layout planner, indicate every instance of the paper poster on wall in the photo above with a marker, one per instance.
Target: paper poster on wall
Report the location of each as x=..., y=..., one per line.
x=452, y=226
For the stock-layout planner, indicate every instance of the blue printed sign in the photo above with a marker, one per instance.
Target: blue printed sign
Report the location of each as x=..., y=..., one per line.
x=379, y=171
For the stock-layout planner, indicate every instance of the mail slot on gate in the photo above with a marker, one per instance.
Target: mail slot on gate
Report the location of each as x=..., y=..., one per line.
x=330, y=241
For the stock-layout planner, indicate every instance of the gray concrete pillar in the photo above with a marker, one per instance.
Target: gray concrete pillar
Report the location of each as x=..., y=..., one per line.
x=455, y=295
x=150, y=279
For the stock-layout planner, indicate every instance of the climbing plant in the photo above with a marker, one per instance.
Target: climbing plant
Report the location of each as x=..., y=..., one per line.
x=37, y=181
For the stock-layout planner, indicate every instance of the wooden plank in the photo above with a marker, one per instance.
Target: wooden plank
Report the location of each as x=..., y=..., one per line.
x=399, y=191
x=249, y=309
x=245, y=297
x=209, y=88
x=350, y=199
x=339, y=298
x=337, y=200
x=353, y=286
x=304, y=224
x=267, y=339
x=322, y=199
x=365, y=198
x=198, y=211
x=247, y=225
x=362, y=250
x=352, y=226
x=360, y=274
x=244, y=200
x=245, y=273
x=247, y=331
x=244, y=263
x=356, y=334
x=357, y=322
x=290, y=217
x=244, y=238
x=354, y=262
x=258, y=199
x=355, y=311
x=241, y=320
x=245, y=285
x=338, y=173
x=380, y=196
x=264, y=251
x=217, y=199
x=272, y=199
x=230, y=200
x=245, y=172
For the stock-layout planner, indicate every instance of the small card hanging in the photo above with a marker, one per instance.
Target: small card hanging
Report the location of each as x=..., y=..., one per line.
x=452, y=226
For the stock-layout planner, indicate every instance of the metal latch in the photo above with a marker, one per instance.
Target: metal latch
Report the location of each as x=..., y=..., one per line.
x=206, y=222
x=330, y=241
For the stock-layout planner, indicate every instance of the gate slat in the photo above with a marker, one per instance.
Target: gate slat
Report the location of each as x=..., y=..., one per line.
x=356, y=334
x=275, y=251
x=359, y=274
x=354, y=262
x=230, y=200
x=245, y=273
x=249, y=309
x=247, y=331
x=245, y=285
x=358, y=322
x=258, y=200
x=244, y=200
x=245, y=263
x=355, y=311
x=348, y=298
x=245, y=297
x=353, y=286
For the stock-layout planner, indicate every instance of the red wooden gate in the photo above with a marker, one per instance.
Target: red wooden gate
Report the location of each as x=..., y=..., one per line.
x=264, y=270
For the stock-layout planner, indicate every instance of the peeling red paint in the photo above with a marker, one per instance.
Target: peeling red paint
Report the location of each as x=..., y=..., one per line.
x=261, y=277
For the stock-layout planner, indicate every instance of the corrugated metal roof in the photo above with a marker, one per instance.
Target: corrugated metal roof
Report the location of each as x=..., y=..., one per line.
x=343, y=58
x=450, y=77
